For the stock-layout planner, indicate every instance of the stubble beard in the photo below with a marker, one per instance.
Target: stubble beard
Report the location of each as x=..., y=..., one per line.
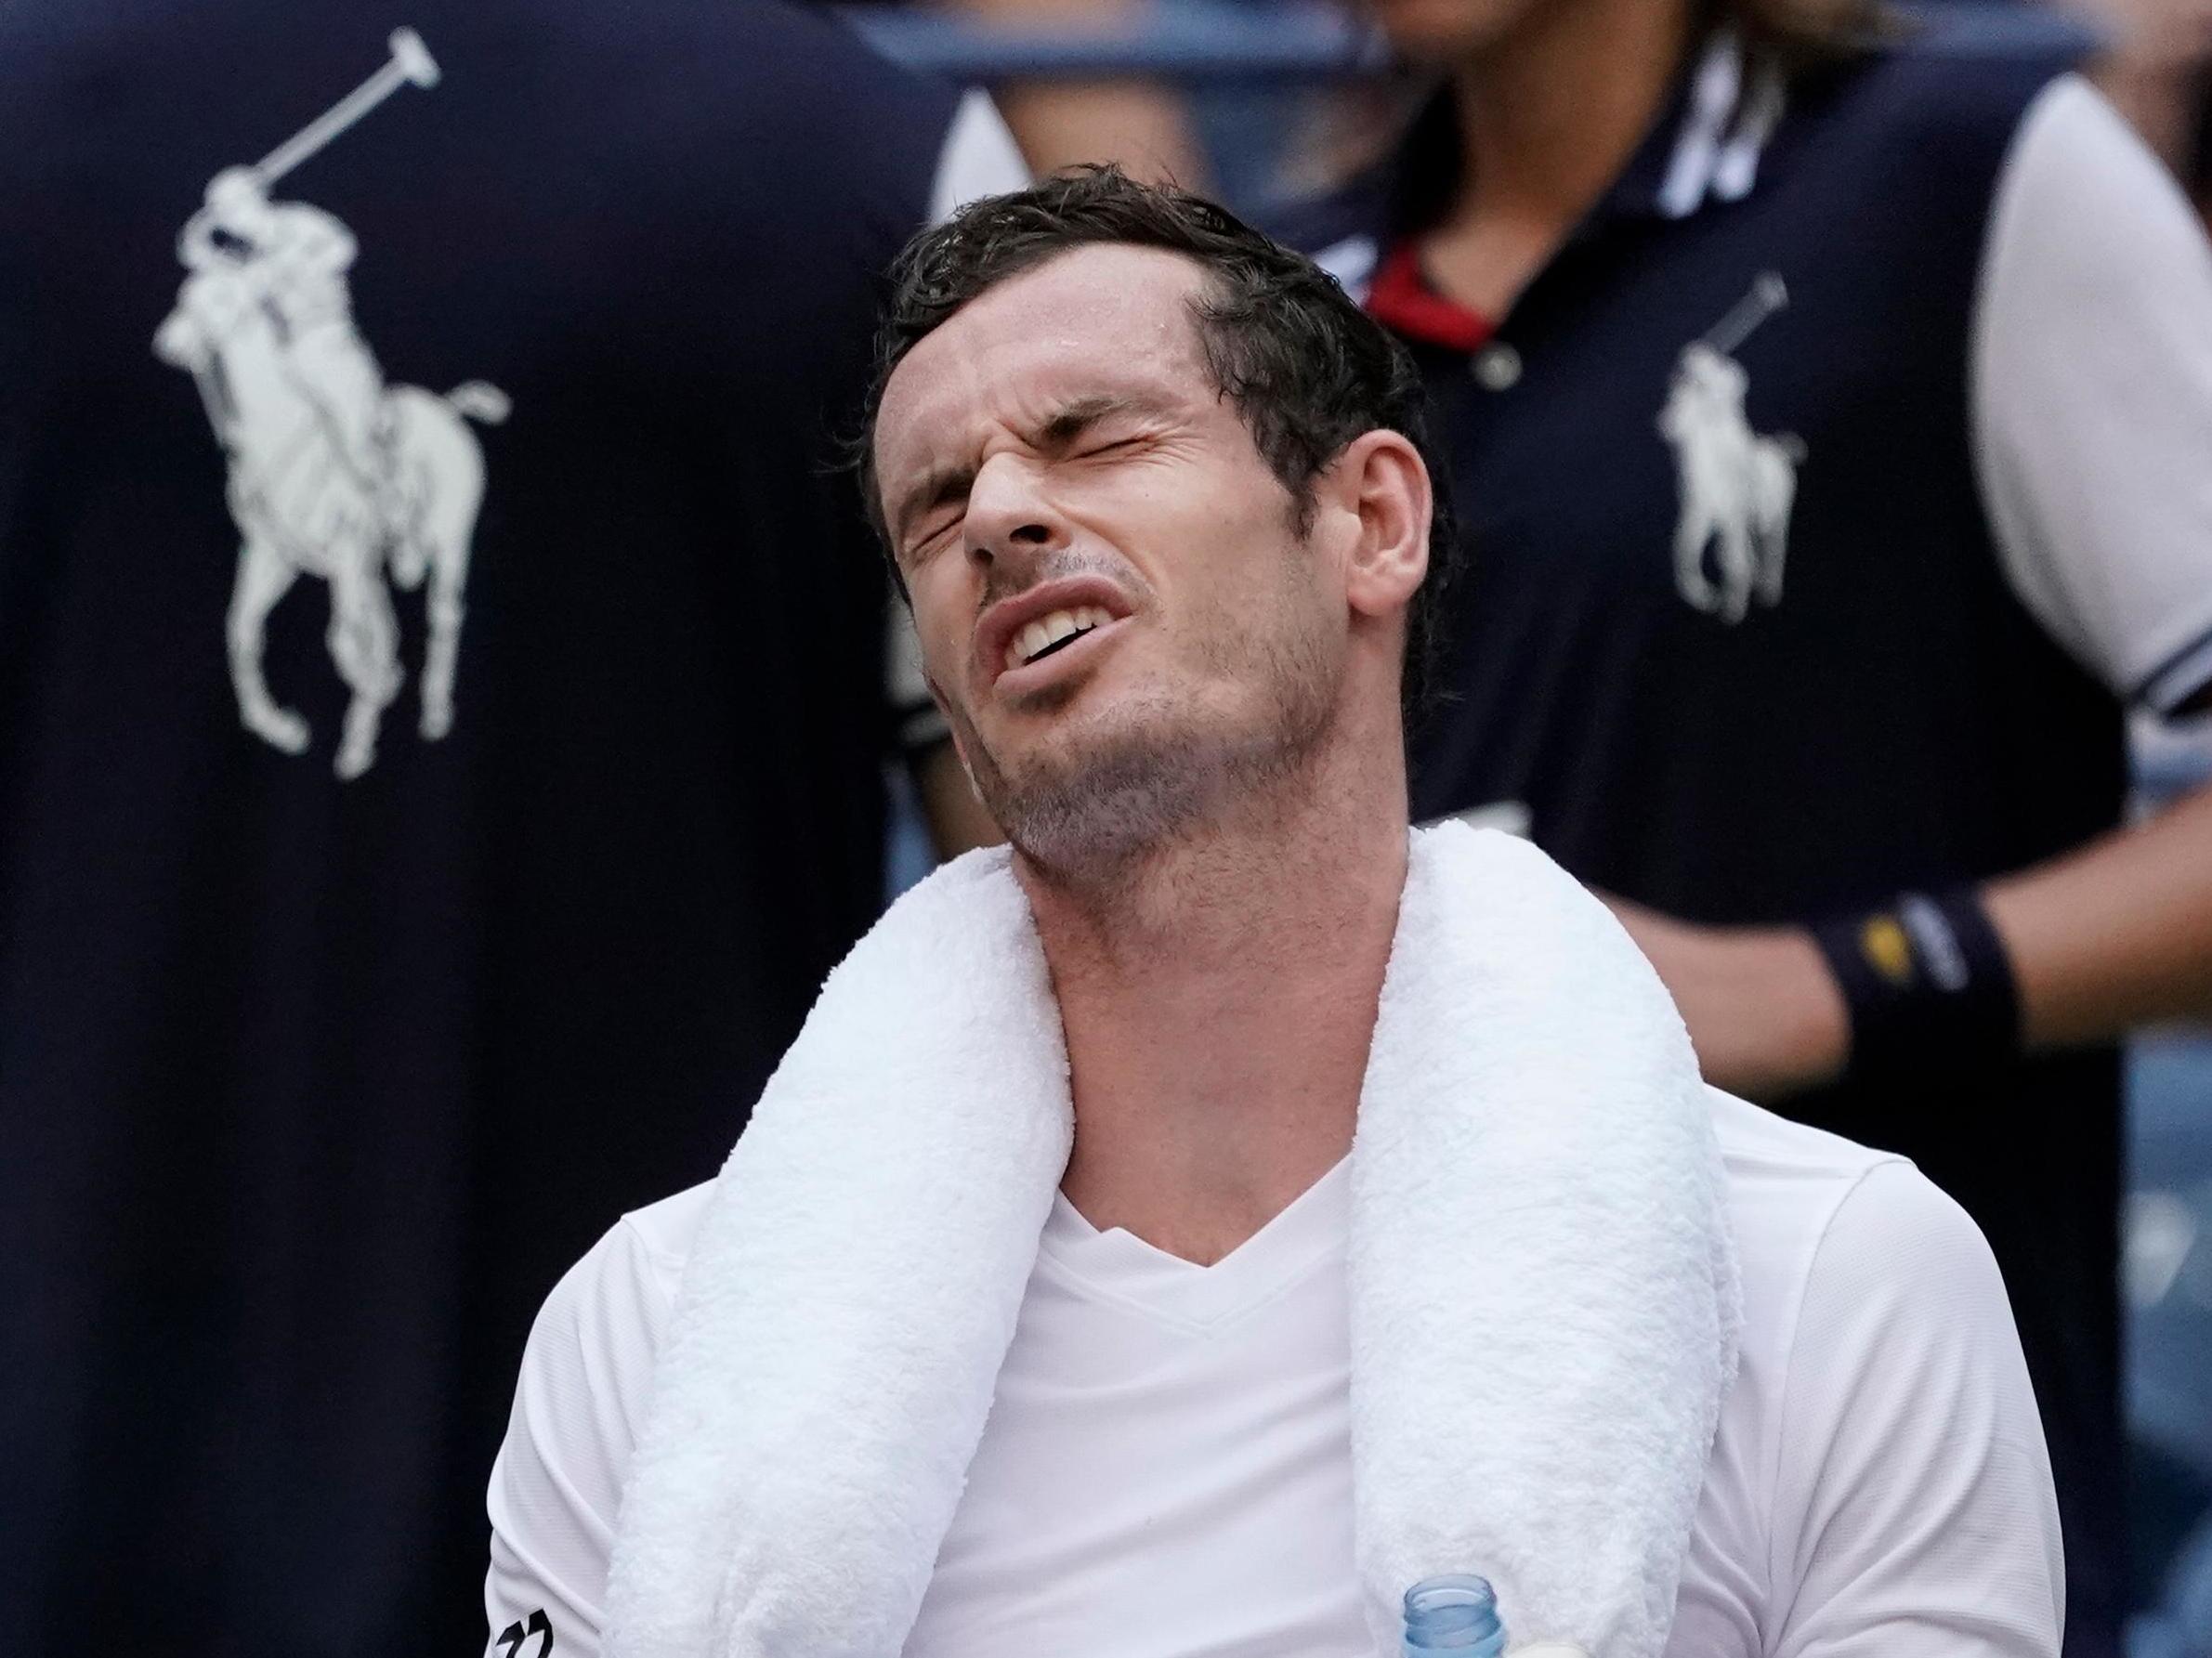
x=1100, y=806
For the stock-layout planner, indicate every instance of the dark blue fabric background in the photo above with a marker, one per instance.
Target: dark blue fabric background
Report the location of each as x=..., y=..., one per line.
x=309, y=1090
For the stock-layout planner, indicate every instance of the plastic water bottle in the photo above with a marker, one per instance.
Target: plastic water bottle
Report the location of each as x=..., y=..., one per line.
x=1453, y=1614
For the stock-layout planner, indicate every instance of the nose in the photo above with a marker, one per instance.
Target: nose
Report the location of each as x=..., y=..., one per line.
x=1010, y=516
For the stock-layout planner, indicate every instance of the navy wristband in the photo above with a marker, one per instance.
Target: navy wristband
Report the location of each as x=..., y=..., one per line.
x=1928, y=984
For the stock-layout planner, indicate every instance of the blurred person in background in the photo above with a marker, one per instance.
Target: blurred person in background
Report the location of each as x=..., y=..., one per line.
x=1143, y=126
x=2152, y=68
x=440, y=736
x=1828, y=410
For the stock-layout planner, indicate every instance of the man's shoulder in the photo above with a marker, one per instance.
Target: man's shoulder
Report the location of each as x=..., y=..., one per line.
x=1787, y=1182
x=1880, y=1449
x=627, y=1280
x=1761, y=1148
x=1807, y=1204
x=607, y=1316
x=660, y=1237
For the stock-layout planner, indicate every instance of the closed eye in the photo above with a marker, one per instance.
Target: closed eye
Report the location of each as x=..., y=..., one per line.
x=1112, y=446
x=931, y=539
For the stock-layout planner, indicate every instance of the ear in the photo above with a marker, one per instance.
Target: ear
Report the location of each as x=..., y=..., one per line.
x=1381, y=491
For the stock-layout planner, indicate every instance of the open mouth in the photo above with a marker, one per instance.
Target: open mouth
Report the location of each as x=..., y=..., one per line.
x=1053, y=633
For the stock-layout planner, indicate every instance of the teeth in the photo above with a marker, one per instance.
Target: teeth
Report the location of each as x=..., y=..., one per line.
x=1048, y=631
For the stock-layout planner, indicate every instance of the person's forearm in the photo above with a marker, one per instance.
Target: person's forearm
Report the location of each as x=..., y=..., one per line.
x=2116, y=935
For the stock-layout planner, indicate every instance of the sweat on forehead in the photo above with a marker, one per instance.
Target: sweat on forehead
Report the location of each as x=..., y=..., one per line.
x=1090, y=321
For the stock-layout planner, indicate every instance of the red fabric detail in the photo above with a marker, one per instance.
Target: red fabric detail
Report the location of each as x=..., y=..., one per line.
x=1401, y=298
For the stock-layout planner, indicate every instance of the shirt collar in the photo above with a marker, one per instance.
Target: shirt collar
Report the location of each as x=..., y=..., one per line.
x=1401, y=299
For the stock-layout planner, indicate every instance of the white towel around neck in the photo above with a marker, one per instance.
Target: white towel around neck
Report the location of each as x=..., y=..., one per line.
x=1544, y=1313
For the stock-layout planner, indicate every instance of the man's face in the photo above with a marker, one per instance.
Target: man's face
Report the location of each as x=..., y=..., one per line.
x=1117, y=610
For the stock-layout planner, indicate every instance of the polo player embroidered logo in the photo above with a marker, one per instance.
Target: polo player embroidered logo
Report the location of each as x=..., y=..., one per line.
x=1737, y=486
x=334, y=473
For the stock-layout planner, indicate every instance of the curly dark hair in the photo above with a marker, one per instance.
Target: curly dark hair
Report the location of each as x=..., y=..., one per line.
x=1307, y=370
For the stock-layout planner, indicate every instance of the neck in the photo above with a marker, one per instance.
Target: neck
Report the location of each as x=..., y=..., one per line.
x=1218, y=1003
x=1550, y=112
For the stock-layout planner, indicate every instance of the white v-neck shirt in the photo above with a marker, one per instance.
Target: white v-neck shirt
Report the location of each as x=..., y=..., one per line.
x=1188, y=1410
x=1167, y=1470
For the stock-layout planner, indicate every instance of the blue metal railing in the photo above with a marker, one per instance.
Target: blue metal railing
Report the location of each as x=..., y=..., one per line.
x=1280, y=41
x=1214, y=41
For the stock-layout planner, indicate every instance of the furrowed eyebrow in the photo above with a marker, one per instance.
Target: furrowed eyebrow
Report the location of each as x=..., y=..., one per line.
x=1063, y=428
x=1073, y=421
x=947, y=483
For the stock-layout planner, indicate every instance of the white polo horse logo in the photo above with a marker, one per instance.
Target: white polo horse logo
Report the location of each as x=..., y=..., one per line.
x=333, y=473
x=1738, y=487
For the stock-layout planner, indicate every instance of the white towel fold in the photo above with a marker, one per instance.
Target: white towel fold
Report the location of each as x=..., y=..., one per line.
x=1544, y=1315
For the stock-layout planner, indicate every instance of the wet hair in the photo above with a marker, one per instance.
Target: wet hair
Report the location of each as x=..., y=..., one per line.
x=1305, y=369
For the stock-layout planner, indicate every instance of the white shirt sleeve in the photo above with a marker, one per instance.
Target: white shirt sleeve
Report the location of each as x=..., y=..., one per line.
x=2093, y=397
x=578, y=1406
x=1914, y=1514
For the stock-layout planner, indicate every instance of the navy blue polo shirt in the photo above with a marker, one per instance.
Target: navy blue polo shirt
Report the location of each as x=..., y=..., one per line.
x=1825, y=500
x=327, y=1044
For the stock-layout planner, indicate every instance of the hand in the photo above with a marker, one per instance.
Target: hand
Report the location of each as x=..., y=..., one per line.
x=1763, y=1010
